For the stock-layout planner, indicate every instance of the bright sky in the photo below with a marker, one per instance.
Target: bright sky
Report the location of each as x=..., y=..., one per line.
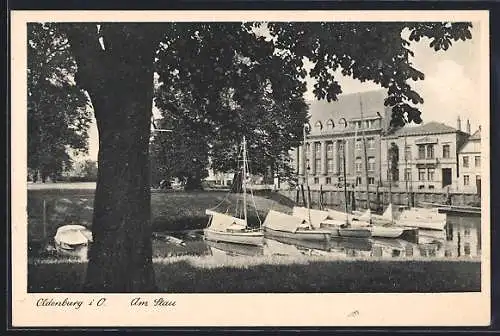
x=451, y=78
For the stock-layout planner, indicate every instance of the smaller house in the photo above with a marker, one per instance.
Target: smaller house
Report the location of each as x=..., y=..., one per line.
x=469, y=163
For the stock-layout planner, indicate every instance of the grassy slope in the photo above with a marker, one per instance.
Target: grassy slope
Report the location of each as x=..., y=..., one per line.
x=169, y=211
x=314, y=276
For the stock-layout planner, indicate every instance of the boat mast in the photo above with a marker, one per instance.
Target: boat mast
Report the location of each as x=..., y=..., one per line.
x=389, y=173
x=345, y=180
x=306, y=178
x=244, y=181
x=366, y=161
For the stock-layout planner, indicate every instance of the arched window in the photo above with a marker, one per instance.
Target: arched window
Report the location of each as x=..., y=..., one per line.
x=318, y=125
x=330, y=124
x=343, y=122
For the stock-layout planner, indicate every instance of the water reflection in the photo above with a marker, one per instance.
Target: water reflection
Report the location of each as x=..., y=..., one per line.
x=461, y=238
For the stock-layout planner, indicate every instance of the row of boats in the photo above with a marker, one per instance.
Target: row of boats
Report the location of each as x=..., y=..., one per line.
x=305, y=223
x=318, y=225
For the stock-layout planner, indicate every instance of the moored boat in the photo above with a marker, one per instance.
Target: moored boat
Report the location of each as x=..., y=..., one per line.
x=283, y=225
x=72, y=240
x=355, y=232
x=236, y=249
x=429, y=219
x=224, y=227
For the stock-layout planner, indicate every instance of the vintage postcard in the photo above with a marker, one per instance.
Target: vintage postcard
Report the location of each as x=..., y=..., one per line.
x=260, y=168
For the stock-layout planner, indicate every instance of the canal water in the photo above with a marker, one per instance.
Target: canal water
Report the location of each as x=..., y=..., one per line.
x=460, y=239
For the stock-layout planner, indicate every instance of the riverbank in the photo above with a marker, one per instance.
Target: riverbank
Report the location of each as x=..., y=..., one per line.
x=170, y=211
x=278, y=275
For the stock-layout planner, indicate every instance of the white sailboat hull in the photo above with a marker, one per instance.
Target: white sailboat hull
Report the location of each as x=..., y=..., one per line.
x=386, y=232
x=354, y=232
x=300, y=234
x=246, y=237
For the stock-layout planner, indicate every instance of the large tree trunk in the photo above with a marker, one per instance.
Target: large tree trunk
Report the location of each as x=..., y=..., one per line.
x=119, y=80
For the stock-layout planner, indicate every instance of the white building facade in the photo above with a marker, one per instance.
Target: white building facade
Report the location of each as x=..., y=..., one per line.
x=469, y=162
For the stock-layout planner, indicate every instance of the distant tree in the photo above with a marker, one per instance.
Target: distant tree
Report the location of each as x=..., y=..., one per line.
x=229, y=83
x=182, y=154
x=89, y=170
x=116, y=63
x=58, y=117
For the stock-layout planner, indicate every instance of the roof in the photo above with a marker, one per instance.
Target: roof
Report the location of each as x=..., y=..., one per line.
x=473, y=143
x=476, y=135
x=432, y=127
x=348, y=106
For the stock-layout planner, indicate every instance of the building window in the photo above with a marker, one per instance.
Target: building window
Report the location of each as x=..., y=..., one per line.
x=430, y=151
x=407, y=174
x=329, y=165
x=358, y=165
x=421, y=174
x=328, y=180
x=317, y=148
x=371, y=143
x=407, y=153
x=343, y=122
x=341, y=147
x=421, y=151
x=330, y=124
x=371, y=180
x=466, y=180
x=430, y=174
x=358, y=144
x=446, y=151
x=318, y=125
x=358, y=180
x=329, y=149
x=316, y=180
x=477, y=161
x=466, y=162
x=318, y=164
x=308, y=149
x=371, y=164
x=308, y=164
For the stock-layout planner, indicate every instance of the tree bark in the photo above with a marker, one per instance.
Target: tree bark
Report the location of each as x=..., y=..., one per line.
x=119, y=80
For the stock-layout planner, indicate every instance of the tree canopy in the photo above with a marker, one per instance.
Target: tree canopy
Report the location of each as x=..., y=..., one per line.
x=58, y=117
x=226, y=82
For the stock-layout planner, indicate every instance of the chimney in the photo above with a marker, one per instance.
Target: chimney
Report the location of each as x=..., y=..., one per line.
x=459, y=124
x=468, y=126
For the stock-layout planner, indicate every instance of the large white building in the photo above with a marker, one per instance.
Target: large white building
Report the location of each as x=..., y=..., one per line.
x=339, y=127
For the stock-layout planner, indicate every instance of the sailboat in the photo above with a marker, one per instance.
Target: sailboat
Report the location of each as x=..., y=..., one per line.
x=278, y=224
x=223, y=227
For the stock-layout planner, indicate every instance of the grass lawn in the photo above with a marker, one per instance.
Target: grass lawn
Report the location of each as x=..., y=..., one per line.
x=195, y=275
x=169, y=210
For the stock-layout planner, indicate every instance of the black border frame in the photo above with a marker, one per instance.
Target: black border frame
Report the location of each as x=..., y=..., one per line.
x=492, y=6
